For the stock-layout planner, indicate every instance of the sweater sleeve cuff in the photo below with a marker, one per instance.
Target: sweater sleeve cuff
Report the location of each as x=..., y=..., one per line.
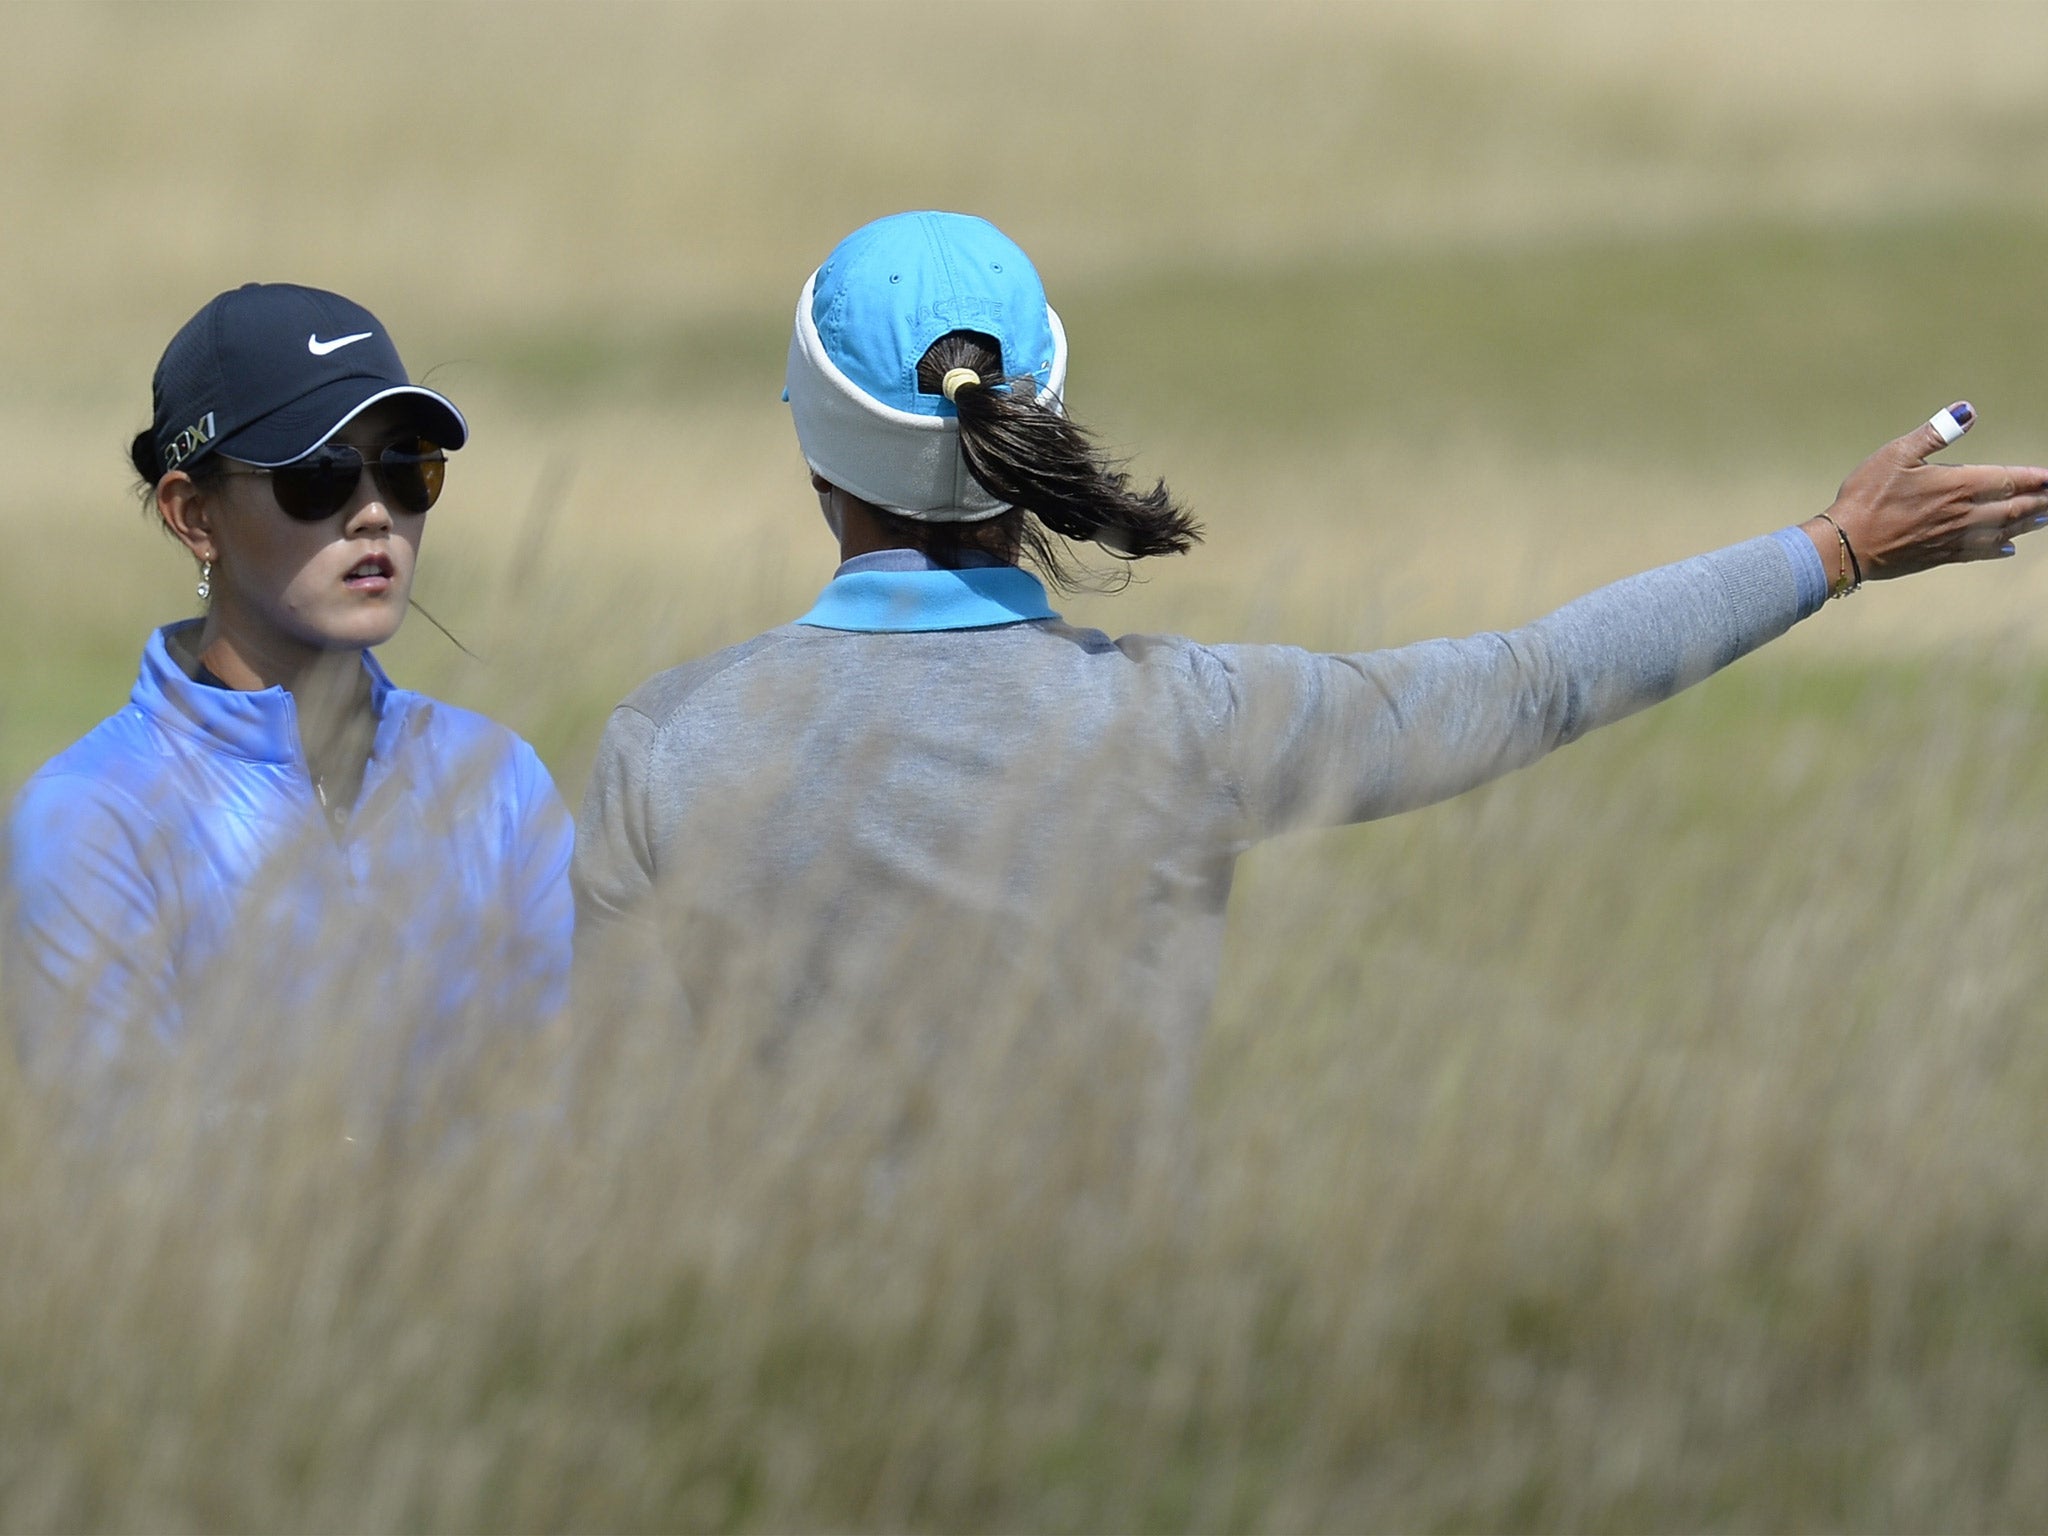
x=1808, y=573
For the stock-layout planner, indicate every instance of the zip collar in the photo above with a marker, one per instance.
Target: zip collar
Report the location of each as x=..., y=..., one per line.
x=261, y=725
x=899, y=591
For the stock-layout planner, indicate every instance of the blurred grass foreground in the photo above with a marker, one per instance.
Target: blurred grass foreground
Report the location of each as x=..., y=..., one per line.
x=1652, y=1140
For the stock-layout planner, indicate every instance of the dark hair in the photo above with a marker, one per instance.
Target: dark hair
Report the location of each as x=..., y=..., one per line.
x=1055, y=479
x=149, y=466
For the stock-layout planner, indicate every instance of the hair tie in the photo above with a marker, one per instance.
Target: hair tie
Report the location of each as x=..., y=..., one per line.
x=957, y=379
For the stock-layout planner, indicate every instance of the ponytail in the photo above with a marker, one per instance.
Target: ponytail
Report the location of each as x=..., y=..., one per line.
x=1023, y=452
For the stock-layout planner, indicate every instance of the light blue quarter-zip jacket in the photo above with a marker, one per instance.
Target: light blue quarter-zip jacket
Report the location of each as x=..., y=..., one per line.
x=182, y=838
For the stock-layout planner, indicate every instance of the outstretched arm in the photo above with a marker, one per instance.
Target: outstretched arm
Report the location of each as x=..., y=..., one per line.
x=1318, y=739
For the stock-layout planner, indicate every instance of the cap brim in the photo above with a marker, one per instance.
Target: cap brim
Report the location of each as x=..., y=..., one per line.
x=292, y=431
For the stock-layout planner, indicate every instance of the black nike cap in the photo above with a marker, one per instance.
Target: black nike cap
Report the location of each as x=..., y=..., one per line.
x=267, y=372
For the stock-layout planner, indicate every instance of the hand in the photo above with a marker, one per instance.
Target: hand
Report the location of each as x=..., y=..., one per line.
x=1902, y=514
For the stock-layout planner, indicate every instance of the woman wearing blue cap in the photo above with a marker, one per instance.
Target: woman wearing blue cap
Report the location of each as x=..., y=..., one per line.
x=931, y=762
x=268, y=795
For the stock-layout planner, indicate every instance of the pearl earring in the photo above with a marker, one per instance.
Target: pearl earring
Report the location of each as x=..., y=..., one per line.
x=205, y=587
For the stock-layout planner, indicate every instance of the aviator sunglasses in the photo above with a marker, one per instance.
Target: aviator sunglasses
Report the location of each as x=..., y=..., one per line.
x=408, y=474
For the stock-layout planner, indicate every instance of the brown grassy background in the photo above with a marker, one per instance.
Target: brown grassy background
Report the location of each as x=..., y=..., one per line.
x=1649, y=1141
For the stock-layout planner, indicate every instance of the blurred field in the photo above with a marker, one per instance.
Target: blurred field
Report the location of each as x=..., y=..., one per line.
x=1649, y=1141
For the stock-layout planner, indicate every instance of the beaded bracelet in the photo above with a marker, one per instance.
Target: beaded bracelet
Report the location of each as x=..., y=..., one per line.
x=1852, y=569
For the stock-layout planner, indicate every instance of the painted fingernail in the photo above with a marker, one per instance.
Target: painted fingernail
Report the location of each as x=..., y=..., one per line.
x=2040, y=521
x=2007, y=549
x=1963, y=412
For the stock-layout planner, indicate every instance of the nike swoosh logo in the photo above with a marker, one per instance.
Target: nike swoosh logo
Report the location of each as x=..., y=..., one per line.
x=321, y=348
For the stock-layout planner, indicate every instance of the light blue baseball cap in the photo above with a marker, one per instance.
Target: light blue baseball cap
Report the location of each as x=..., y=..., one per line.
x=865, y=320
x=892, y=288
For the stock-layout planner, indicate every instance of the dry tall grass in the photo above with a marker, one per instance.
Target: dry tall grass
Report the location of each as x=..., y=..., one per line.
x=1651, y=1140
x=1641, y=1143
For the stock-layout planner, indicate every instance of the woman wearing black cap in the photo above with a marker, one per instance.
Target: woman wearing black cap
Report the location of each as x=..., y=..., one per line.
x=268, y=792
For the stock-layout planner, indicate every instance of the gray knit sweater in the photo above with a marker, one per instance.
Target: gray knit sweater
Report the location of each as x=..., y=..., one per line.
x=947, y=790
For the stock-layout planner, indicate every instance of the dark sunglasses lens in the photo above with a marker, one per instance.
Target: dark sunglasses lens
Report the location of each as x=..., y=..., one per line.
x=411, y=475
x=317, y=487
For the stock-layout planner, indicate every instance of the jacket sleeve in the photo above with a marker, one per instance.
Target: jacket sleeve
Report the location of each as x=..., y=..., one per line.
x=545, y=910
x=87, y=959
x=1314, y=739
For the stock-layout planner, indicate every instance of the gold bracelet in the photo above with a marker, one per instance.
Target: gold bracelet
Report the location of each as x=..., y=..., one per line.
x=1852, y=570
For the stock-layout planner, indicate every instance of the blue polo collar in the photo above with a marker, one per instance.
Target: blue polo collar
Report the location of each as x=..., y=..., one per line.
x=901, y=591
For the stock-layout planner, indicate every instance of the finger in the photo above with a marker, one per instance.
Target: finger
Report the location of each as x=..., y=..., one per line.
x=1999, y=482
x=1992, y=529
x=1984, y=543
x=1939, y=430
x=1981, y=540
